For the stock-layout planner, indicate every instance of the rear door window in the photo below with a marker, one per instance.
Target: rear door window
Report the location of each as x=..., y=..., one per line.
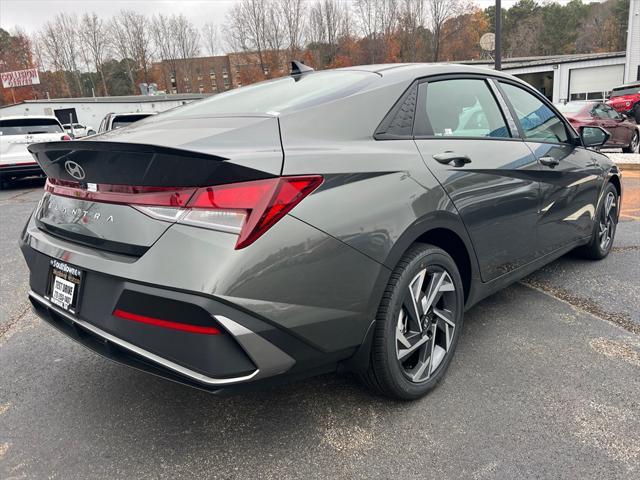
x=461, y=108
x=537, y=120
x=29, y=126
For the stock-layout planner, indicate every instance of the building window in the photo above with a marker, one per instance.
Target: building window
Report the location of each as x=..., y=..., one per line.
x=578, y=96
x=174, y=90
x=226, y=83
x=595, y=96
x=201, y=88
x=225, y=73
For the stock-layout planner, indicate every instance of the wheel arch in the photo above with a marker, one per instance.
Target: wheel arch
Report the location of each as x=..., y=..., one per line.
x=444, y=230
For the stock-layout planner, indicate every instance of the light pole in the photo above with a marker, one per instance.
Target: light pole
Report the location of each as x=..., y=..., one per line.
x=498, y=39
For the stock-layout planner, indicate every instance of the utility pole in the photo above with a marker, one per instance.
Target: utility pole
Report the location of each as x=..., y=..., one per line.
x=498, y=40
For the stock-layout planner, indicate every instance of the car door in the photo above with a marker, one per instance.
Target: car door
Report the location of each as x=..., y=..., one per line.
x=624, y=130
x=570, y=176
x=605, y=120
x=467, y=141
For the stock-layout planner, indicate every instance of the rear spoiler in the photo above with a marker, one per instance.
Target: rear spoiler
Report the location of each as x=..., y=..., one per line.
x=117, y=163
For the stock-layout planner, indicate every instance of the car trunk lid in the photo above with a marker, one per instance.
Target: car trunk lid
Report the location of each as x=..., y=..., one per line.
x=92, y=184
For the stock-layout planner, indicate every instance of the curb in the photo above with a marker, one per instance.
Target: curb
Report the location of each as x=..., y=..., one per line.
x=628, y=166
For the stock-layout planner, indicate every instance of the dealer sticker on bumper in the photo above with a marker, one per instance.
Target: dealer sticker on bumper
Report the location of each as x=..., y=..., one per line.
x=64, y=284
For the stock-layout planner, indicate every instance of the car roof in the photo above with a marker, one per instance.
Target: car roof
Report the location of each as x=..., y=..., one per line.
x=424, y=69
x=19, y=117
x=115, y=114
x=627, y=85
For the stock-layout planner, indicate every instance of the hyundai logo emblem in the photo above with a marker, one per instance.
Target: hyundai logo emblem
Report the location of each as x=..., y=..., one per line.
x=73, y=169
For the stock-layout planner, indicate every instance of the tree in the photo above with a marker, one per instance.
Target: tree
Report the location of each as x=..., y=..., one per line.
x=328, y=21
x=211, y=38
x=246, y=28
x=411, y=31
x=439, y=12
x=15, y=54
x=463, y=33
x=378, y=20
x=93, y=33
x=120, y=42
x=59, y=44
x=293, y=14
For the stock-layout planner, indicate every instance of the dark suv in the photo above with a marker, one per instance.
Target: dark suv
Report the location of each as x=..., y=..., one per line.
x=342, y=219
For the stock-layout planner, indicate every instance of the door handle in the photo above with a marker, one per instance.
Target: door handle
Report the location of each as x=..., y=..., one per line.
x=549, y=161
x=447, y=157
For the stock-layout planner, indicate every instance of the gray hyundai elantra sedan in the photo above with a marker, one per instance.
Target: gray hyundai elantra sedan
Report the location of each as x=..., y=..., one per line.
x=340, y=220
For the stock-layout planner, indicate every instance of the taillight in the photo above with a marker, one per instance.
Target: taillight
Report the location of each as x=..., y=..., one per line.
x=247, y=209
x=65, y=137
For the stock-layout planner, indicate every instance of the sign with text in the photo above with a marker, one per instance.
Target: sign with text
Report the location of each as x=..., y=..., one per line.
x=20, y=78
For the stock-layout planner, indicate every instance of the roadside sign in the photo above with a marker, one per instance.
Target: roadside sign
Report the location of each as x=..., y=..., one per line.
x=20, y=78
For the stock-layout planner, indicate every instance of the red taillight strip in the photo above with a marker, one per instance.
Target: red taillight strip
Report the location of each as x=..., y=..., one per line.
x=185, y=327
x=124, y=194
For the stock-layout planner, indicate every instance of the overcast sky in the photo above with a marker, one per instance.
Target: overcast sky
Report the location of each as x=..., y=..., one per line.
x=30, y=15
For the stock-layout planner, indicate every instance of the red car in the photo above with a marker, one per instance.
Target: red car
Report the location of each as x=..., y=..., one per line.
x=626, y=99
x=624, y=134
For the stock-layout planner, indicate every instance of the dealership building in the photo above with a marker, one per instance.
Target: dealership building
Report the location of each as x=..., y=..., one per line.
x=562, y=78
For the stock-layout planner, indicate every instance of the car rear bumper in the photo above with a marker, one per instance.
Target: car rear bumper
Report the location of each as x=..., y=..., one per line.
x=19, y=170
x=268, y=360
x=250, y=348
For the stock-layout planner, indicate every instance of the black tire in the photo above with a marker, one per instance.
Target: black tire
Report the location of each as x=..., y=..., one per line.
x=597, y=249
x=387, y=373
x=633, y=145
x=636, y=113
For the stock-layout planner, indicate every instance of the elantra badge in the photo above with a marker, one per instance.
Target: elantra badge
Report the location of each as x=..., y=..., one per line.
x=74, y=169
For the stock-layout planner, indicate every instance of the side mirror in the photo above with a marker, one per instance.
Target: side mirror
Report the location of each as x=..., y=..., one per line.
x=623, y=116
x=91, y=132
x=594, y=136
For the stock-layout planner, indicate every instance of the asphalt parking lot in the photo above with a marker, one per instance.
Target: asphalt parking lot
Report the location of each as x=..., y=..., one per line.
x=545, y=384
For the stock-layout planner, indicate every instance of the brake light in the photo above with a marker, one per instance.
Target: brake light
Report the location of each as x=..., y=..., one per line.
x=248, y=208
x=65, y=137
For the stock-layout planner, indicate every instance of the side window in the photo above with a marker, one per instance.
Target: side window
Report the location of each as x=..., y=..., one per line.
x=611, y=113
x=538, y=121
x=599, y=111
x=462, y=108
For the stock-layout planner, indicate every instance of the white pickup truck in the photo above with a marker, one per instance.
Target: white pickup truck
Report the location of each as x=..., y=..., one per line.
x=16, y=133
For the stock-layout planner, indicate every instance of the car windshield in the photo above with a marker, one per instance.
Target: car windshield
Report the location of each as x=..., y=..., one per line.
x=29, y=126
x=124, y=120
x=618, y=92
x=281, y=95
x=571, y=107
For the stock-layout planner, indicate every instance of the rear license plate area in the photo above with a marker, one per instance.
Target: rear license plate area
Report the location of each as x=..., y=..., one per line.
x=65, y=285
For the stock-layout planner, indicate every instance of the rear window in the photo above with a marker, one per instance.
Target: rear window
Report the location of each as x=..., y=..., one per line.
x=124, y=120
x=618, y=92
x=280, y=95
x=29, y=126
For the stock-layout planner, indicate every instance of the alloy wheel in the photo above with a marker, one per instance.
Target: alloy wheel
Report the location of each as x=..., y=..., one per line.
x=633, y=146
x=426, y=323
x=607, y=221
